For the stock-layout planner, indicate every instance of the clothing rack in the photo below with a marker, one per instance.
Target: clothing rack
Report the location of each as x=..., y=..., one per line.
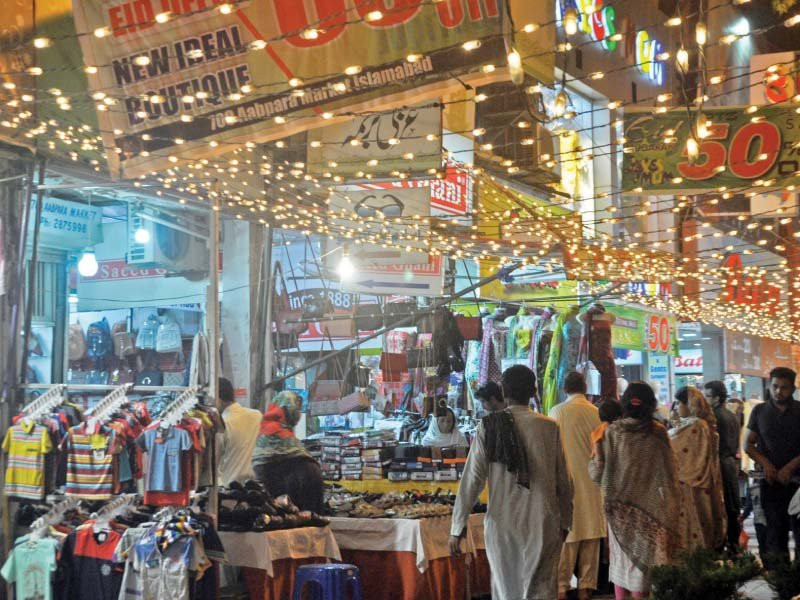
x=86, y=388
x=174, y=412
x=45, y=403
x=121, y=505
x=110, y=403
x=40, y=526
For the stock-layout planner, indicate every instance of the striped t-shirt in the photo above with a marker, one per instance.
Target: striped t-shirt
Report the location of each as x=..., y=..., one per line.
x=90, y=462
x=26, y=445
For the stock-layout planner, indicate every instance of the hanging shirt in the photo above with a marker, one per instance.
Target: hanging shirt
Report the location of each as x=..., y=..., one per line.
x=164, y=448
x=29, y=567
x=88, y=570
x=26, y=445
x=90, y=462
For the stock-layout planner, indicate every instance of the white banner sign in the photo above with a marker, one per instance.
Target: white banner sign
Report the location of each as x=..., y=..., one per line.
x=406, y=280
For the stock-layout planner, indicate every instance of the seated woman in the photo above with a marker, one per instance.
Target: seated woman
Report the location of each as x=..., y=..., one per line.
x=695, y=444
x=443, y=431
x=280, y=461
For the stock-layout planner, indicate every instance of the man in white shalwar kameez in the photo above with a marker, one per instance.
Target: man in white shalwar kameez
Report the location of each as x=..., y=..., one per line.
x=577, y=418
x=524, y=527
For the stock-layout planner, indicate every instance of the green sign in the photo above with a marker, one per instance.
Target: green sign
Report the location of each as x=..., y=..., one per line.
x=636, y=329
x=736, y=147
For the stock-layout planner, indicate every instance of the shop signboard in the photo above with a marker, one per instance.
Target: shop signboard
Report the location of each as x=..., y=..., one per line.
x=405, y=280
x=742, y=148
x=773, y=78
x=204, y=70
x=69, y=225
x=689, y=361
x=403, y=140
x=639, y=329
x=658, y=375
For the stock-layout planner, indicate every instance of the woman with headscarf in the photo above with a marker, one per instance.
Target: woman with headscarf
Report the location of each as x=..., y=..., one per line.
x=635, y=468
x=280, y=461
x=443, y=431
x=695, y=444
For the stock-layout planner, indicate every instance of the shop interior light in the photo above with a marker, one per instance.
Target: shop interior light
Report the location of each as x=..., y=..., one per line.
x=515, y=67
x=560, y=103
x=87, y=265
x=141, y=236
x=346, y=268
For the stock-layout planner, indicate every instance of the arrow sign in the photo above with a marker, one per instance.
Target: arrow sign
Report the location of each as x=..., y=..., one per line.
x=370, y=283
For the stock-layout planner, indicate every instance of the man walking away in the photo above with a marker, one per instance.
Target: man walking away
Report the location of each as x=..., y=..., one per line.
x=773, y=441
x=577, y=418
x=519, y=453
x=729, y=430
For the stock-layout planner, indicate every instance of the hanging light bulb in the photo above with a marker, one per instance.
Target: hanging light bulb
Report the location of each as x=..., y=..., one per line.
x=701, y=34
x=692, y=149
x=87, y=265
x=141, y=236
x=570, y=21
x=702, y=126
x=682, y=60
x=515, y=67
x=346, y=268
x=560, y=103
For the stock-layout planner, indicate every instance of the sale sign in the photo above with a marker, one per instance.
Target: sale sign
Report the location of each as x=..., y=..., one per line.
x=741, y=148
x=172, y=76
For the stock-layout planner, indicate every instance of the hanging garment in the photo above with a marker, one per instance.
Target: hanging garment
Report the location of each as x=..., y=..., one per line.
x=26, y=445
x=550, y=383
x=570, y=349
x=30, y=567
x=489, y=365
x=600, y=351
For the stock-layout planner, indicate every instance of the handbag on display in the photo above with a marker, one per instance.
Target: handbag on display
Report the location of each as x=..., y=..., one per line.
x=77, y=342
x=368, y=317
x=324, y=394
x=124, y=344
x=150, y=377
x=98, y=339
x=471, y=328
x=358, y=401
x=97, y=378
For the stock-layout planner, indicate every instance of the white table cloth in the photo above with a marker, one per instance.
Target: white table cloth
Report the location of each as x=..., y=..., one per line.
x=427, y=538
x=258, y=549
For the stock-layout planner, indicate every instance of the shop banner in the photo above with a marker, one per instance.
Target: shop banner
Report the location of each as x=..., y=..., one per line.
x=69, y=225
x=773, y=78
x=658, y=376
x=638, y=329
x=404, y=140
x=229, y=66
x=737, y=152
x=689, y=361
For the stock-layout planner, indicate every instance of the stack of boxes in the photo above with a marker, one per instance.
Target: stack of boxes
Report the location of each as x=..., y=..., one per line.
x=421, y=463
x=344, y=455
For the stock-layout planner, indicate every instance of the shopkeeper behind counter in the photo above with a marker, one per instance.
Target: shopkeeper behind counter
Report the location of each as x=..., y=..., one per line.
x=280, y=461
x=443, y=431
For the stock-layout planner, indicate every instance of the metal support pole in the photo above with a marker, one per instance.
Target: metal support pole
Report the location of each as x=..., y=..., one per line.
x=212, y=325
x=269, y=351
x=26, y=330
x=404, y=322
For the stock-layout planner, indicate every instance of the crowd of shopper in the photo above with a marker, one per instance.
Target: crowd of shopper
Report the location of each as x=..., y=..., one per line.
x=617, y=476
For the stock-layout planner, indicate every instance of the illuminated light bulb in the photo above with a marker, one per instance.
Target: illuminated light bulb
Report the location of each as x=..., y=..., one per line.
x=515, y=67
x=471, y=45
x=702, y=127
x=478, y=131
x=533, y=89
x=346, y=268
x=728, y=39
x=294, y=82
x=480, y=97
x=663, y=97
x=715, y=79
x=792, y=21
x=751, y=109
x=408, y=156
x=225, y=8
x=374, y=15
x=570, y=21
x=662, y=56
x=230, y=119
x=27, y=98
x=142, y=60
x=617, y=37
x=202, y=95
x=180, y=141
x=530, y=27
x=352, y=70
x=163, y=17
x=141, y=236
x=41, y=42
x=87, y=265
x=692, y=149
x=102, y=32
x=90, y=70
x=614, y=105
x=187, y=118
x=258, y=45
x=701, y=34
x=393, y=141
x=34, y=71
x=412, y=58
x=156, y=99
x=488, y=68
x=316, y=144
x=246, y=88
x=673, y=22
x=682, y=60
x=327, y=115
x=310, y=34
x=560, y=103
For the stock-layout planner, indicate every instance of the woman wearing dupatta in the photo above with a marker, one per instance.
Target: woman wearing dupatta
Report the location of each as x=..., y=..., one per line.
x=636, y=471
x=280, y=461
x=696, y=446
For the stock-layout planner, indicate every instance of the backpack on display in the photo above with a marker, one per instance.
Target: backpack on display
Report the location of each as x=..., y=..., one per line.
x=146, y=338
x=77, y=342
x=168, y=337
x=123, y=341
x=98, y=338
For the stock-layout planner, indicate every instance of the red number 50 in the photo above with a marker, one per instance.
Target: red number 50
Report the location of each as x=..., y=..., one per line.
x=741, y=149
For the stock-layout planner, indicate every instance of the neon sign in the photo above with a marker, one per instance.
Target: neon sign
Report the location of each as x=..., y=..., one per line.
x=646, y=52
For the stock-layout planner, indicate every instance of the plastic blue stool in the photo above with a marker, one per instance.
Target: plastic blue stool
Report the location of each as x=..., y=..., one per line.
x=329, y=582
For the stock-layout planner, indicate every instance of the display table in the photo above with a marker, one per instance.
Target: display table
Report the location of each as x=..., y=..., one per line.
x=269, y=559
x=404, y=559
x=479, y=573
x=382, y=486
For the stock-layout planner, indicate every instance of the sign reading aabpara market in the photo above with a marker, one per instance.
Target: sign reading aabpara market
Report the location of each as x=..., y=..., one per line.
x=180, y=74
x=740, y=149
